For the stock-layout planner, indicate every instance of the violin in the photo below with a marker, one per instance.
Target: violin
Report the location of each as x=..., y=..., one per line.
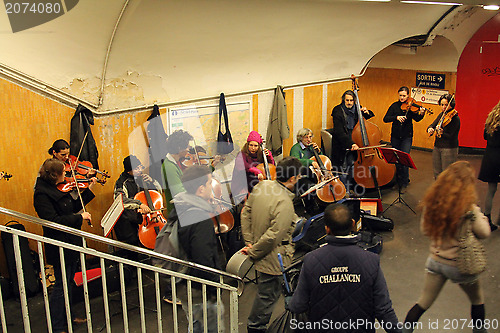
x=152, y=222
x=445, y=119
x=84, y=168
x=5, y=175
x=411, y=105
x=197, y=156
x=333, y=190
x=69, y=183
x=268, y=170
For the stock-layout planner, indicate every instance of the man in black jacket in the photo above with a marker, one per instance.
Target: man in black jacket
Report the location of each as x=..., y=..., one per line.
x=197, y=238
x=345, y=117
x=341, y=286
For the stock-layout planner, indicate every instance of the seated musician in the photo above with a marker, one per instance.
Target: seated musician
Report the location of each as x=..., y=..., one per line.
x=127, y=226
x=245, y=173
x=303, y=151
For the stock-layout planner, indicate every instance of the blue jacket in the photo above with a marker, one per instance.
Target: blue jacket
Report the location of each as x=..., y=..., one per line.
x=343, y=289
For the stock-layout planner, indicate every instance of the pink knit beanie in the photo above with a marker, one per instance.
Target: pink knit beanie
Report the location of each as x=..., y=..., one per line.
x=254, y=136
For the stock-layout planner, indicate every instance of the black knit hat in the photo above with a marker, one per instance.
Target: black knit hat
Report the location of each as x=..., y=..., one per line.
x=130, y=162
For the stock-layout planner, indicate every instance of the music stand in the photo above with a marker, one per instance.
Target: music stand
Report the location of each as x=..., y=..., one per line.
x=394, y=156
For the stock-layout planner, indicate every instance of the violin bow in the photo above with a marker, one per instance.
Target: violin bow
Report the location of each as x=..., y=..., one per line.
x=444, y=113
x=196, y=152
x=76, y=181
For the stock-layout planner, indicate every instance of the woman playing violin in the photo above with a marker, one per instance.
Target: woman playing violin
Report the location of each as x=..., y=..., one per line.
x=402, y=131
x=126, y=227
x=446, y=128
x=59, y=207
x=245, y=173
x=60, y=150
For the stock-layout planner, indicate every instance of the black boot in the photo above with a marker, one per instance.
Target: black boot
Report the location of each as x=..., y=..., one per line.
x=493, y=227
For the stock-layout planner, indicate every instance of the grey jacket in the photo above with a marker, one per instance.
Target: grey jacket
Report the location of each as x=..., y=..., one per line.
x=267, y=222
x=277, y=129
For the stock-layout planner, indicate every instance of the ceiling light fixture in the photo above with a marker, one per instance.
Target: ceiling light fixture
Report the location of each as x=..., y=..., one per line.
x=433, y=3
x=491, y=7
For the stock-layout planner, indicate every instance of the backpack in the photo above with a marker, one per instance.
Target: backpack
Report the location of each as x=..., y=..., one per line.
x=167, y=242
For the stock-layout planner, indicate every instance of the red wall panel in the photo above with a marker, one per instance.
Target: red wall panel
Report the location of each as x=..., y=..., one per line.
x=478, y=82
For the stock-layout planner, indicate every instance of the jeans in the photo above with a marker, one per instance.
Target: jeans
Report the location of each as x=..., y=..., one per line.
x=268, y=293
x=56, y=298
x=402, y=172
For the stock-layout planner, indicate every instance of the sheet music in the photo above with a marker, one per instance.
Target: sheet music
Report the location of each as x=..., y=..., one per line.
x=112, y=215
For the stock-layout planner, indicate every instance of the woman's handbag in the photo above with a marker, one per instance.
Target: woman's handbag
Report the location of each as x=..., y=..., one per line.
x=224, y=141
x=471, y=258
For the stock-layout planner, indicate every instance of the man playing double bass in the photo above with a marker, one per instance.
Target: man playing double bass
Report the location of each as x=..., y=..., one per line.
x=345, y=117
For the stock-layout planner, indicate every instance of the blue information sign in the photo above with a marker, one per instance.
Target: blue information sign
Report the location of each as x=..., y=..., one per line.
x=430, y=80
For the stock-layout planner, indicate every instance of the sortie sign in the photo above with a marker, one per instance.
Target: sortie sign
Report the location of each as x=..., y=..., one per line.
x=430, y=80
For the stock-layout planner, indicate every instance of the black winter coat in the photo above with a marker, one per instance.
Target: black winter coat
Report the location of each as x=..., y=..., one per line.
x=342, y=283
x=59, y=207
x=490, y=166
x=80, y=124
x=341, y=135
x=401, y=130
x=196, y=232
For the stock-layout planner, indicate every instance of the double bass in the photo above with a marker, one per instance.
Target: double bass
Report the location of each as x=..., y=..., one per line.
x=370, y=168
x=151, y=222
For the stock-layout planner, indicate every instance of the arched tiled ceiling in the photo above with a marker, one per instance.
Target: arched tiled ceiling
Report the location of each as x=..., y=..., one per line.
x=166, y=51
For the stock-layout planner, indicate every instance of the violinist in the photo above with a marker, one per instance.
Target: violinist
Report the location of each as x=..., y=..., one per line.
x=177, y=148
x=345, y=117
x=126, y=228
x=402, y=131
x=60, y=150
x=245, y=173
x=446, y=128
x=60, y=207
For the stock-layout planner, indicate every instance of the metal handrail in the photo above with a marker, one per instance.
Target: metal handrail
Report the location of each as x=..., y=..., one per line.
x=114, y=243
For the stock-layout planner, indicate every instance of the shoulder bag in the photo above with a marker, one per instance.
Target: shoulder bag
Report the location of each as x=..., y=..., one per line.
x=471, y=258
x=224, y=140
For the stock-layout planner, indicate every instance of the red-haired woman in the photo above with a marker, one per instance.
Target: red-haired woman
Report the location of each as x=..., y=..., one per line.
x=441, y=220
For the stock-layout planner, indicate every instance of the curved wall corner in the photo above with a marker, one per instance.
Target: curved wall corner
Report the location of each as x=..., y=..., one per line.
x=478, y=82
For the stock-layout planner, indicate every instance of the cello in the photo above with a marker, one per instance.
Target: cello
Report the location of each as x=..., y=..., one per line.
x=223, y=218
x=269, y=171
x=151, y=222
x=332, y=191
x=370, y=168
